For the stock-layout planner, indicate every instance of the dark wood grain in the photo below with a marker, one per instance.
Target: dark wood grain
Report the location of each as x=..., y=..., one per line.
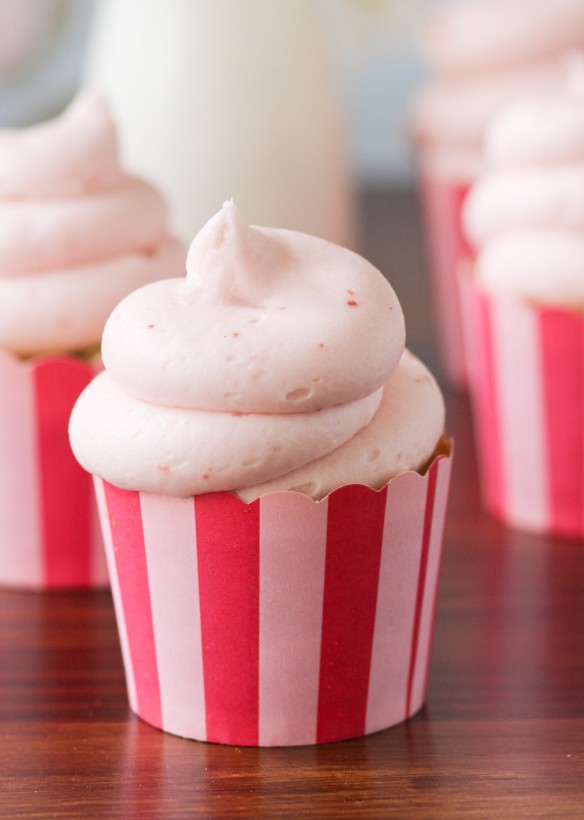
x=502, y=734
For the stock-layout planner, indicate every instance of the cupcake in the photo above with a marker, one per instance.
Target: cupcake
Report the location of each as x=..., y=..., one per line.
x=482, y=54
x=272, y=476
x=525, y=329
x=76, y=235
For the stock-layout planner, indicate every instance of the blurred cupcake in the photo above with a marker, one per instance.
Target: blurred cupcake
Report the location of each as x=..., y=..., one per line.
x=76, y=235
x=272, y=476
x=482, y=55
x=525, y=328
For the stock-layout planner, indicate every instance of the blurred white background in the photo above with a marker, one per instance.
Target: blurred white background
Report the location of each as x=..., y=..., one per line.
x=371, y=42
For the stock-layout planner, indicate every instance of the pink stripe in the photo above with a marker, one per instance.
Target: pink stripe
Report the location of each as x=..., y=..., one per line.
x=291, y=598
x=128, y=544
x=169, y=529
x=353, y=555
x=115, y=590
x=420, y=594
x=562, y=358
x=485, y=404
x=518, y=373
x=228, y=557
x=65, y=489
x=20, y=519
x=438, y=482
x=394, y=619
x=442, y=204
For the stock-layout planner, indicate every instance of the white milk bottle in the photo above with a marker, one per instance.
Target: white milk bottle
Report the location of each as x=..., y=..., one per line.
x=220, y=99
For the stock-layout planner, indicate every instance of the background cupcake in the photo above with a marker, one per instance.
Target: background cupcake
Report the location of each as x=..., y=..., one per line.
x=525, y=328
x=275, y=371
x=76, y=234
x=482, y=55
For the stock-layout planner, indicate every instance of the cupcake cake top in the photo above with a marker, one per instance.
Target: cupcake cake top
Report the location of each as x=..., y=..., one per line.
x=76, y=232
x=271, y=354
x=485, y=54
x=525, y=214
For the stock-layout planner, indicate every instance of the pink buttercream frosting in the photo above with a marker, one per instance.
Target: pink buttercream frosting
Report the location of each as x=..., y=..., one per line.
x=273, y=355
x=76, y=232
x=483, y=54
x=525, y=214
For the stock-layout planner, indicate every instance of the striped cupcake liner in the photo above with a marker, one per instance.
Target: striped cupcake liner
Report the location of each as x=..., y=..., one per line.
x=281, y=622
x=49, y=528
x=442, y=202
x=526, y=366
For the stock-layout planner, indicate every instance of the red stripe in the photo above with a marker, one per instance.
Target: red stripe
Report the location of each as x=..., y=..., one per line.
x=562, y=358
x=485, y=398
x=229, y=577
x=65, y=489
x=128, y=542
x=426, y=539
x=353, y=556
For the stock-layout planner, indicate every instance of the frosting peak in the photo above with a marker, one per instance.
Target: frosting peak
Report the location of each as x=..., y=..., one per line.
x=235, y=257
x=33, y=163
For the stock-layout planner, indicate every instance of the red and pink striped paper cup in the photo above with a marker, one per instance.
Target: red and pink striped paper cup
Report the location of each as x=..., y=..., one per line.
x=526, y=366
x=442, y=200
x=282, y=622
x=49, y=527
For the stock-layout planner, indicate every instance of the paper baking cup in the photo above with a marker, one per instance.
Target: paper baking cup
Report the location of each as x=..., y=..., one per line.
x=526, y=367
x=49, y=528
x=442, y=202
x=282, y=622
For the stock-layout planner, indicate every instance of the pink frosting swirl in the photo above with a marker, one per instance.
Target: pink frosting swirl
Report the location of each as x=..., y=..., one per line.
x=273, y=353
x=525, y=214
x=483, y=55
x=76, y=232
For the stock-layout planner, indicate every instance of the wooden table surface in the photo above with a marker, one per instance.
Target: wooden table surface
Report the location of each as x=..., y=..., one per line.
x=502, y=734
